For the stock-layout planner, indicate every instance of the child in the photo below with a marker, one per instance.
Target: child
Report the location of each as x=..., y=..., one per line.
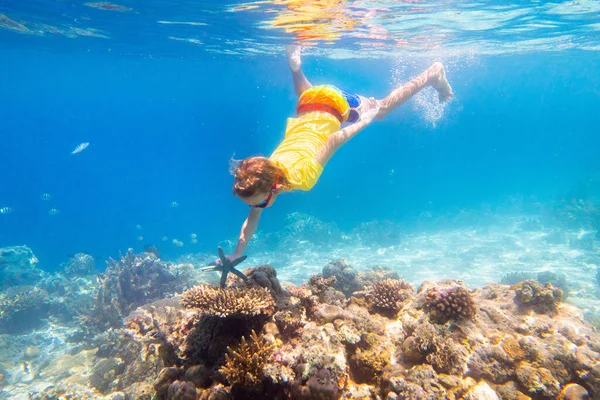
x=314, y=136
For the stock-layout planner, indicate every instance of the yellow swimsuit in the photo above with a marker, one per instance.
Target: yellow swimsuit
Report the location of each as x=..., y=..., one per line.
x=322, y=109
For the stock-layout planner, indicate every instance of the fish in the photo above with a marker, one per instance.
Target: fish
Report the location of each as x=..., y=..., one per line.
x=140, y=238
x=138, y=227
x=174, y=204
x=46, y=196
x=193, y=236
x=80, y=148
x=165, y=238
x=54, y=211
x=150, y=248
x=108, y=6
x=6, y=210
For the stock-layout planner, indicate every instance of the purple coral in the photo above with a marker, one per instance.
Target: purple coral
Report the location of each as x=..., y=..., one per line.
x=451, y=303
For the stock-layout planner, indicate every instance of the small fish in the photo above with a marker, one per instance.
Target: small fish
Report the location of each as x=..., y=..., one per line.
x=25, y=367
x=177, y=243
x=46, y=196
x=140, y=238
x=193, y=236
x=174, y=204
x=165, y=238
x=150, y=248
x=54, y=211
x=6, y=210
x=108, y=6
x=194, y=241
x=138, y=227
x=80, y=148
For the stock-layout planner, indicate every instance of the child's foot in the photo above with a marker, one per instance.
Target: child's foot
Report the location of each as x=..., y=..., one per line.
x=293, y=54
x=436, y=77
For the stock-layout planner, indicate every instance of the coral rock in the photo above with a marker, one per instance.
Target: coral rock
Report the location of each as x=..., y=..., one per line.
x=573, y=391
x=179, y=390
x=230, y=301
x=165, y=378
x=451, y=303
x=263, y=276
x=345, y=276
x=537, y=380
x=481, y=391
x=530, y=294
x=390, y=294
x=321, y=385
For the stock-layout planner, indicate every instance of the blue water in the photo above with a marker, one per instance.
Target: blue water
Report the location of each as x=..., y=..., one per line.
x=163, y=128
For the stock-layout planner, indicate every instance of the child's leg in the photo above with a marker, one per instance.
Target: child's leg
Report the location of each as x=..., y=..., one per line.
x=295, y=62
x=434, y=76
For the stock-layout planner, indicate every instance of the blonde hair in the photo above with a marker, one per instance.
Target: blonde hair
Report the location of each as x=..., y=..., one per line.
x=254, y=175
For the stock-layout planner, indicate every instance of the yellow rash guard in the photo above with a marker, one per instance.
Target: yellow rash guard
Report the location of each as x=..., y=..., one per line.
x=322, y=109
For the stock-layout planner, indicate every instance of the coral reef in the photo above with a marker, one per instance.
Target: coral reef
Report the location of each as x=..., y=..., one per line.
x=22, y=308
x=543, y=277
x=345, y=276
x=389, y=295
x=450, y=303
x=80, y=264
x=531, y=295
x=230, y=301
x=263, y=340
x=245, y=365
x=18, y=267
x=128, y=283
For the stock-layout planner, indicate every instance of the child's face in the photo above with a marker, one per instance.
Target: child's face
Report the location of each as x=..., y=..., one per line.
x=258, y=199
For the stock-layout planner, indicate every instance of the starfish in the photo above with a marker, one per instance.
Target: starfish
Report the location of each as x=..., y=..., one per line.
x=226, y=266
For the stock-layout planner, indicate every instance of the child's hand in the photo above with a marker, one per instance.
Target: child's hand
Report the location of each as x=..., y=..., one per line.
x=368, y=109
x=229, y=257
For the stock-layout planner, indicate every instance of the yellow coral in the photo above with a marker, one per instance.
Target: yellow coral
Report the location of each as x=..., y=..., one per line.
x=512, y=349
x=246, y=364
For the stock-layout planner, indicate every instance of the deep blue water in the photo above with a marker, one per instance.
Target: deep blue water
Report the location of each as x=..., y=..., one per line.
x=163, y=130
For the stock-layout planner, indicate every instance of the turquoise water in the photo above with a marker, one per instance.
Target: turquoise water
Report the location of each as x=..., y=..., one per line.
x=503, y=178
x=163, y=116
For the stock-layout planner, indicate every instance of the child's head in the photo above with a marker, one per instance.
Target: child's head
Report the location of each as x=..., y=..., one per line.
x=254, y=179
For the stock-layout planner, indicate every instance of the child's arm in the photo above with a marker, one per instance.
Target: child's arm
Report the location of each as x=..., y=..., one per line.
x=248, y=229
x=335, y=141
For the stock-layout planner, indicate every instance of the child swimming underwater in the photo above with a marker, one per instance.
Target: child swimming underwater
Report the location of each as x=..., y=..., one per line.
x=314, y=136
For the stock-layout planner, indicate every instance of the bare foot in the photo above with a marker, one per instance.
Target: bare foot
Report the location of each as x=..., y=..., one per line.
x=436, y=77
x=293, y=54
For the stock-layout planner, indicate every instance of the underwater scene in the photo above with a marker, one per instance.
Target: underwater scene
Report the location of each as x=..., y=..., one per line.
x=295, y=199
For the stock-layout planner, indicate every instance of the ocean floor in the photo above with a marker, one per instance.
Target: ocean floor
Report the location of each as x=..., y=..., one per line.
x=475, y=253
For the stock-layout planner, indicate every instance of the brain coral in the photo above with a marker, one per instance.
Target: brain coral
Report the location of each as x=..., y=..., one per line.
x=230, y=301
x=451, y=303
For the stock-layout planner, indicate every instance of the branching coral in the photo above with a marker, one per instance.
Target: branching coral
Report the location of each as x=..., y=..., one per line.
x=451, y=303
x=22, y=308
x=389, y=295
x=230, y=301
x=246, y=364
x=530, y=294
x=128, y=283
